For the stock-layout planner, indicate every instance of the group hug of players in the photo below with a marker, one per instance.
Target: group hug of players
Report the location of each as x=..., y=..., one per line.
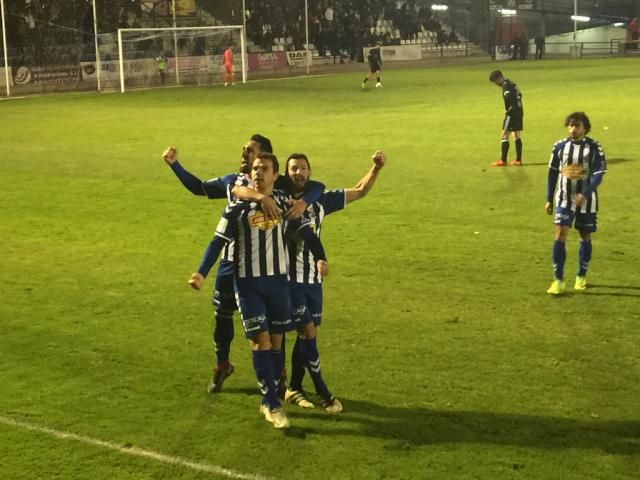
x=271, y=268
x=576, y=168
x=273, y=260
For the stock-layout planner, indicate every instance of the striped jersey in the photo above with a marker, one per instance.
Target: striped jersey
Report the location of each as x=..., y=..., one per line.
x=578, y=167
x=303, y=268
x=221, y=187
x=260, y=245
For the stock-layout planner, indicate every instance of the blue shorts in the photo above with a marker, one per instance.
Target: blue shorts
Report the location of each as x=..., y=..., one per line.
x=265, y=304
x=306, y=303
x=224, y=296
x=584, y=222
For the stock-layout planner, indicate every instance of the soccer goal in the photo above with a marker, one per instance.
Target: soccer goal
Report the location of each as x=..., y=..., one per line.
x=151, y=57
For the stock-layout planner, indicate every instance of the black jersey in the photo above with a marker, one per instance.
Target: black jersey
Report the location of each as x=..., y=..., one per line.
x=512, y=98
x=374, y=57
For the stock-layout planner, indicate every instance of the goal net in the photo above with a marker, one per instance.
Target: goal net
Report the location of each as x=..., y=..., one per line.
x=156, y=57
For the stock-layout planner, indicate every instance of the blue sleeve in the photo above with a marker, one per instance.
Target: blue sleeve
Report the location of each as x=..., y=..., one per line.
x=211, y=255
x=224, y=235
x=333, y=201
x=219, y=187
x=554, y=170
x=214, y=188
x=599, y=168
x=312, y=240
x=190, y=181
x=551, y=184
x=314, y=190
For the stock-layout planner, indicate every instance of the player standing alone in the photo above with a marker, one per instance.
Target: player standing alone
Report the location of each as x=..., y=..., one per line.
x=375, y=65
x=576, y=169
x=227, y=61
x=513, y=118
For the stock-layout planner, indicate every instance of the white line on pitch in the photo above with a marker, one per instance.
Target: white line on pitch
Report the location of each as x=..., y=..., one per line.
x=134, y=451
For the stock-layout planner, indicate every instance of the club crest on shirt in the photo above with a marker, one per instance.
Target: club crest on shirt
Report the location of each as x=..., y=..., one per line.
x=258, y=220
x=574, y=171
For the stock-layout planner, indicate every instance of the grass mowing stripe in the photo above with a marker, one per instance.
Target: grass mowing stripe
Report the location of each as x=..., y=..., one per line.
x=135, y=451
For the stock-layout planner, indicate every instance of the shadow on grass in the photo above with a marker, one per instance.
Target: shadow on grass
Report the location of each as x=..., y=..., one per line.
x=594, y=286
x=619, y=160
x=616, y=287
x=591, y=291
x=250, y=391
x=406, y=428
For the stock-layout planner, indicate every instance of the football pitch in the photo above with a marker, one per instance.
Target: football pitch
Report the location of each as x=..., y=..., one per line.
x=438, y=337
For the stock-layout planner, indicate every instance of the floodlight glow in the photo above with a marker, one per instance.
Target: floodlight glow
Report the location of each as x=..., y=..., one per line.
x=618, y=24
x=439, y=8
x=580, y=18
x=506, y=12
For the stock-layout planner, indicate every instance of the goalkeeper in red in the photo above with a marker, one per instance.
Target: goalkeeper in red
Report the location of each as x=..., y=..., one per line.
x=229, y=73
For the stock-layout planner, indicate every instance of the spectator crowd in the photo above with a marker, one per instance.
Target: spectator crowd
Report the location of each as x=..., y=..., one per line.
x=341, y=25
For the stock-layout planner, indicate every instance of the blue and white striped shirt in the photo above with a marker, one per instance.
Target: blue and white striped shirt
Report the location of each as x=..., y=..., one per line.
x=260, y=248
x=303, y=264
x=576, y=167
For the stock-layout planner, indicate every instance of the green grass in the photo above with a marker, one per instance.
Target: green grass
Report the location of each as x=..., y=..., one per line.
x=450, y=359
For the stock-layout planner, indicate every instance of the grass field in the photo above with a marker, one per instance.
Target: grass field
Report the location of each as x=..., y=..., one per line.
x=451, y=360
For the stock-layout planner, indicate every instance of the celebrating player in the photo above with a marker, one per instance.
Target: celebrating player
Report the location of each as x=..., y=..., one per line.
x=261, y=277
x=306, y=281
x=513, y=118
x=224, y=297
x=576, y=168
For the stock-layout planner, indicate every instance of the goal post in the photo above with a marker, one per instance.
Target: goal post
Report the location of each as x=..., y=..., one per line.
x=178, y=55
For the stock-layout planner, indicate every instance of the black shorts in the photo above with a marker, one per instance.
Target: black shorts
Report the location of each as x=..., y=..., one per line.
x=513, y=122
x=374, y=67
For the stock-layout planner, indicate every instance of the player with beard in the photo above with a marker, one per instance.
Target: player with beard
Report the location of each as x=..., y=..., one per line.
x=306, y=279
x=261, y=280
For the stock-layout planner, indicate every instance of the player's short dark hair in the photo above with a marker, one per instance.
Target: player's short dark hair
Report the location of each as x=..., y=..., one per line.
x=496, y=74
x=579, y=117
x=269, y=156
x=297, y=156
x=265, y=143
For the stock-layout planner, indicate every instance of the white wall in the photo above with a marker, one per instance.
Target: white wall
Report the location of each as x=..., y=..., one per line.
x=559, y=44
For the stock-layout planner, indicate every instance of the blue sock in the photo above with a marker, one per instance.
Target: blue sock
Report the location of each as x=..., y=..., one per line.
x=309, y=350
x=277, y=358
x=559, y=257
x=222, y=337
x=584, y=256
x=263, y=365
x=297, y=367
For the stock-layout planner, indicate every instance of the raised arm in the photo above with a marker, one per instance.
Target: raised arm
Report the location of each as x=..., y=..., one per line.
x=215, y=188
x=366, y=183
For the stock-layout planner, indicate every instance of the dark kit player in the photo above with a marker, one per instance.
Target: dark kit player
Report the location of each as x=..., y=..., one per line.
x=375, y=65
x=513, y=118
